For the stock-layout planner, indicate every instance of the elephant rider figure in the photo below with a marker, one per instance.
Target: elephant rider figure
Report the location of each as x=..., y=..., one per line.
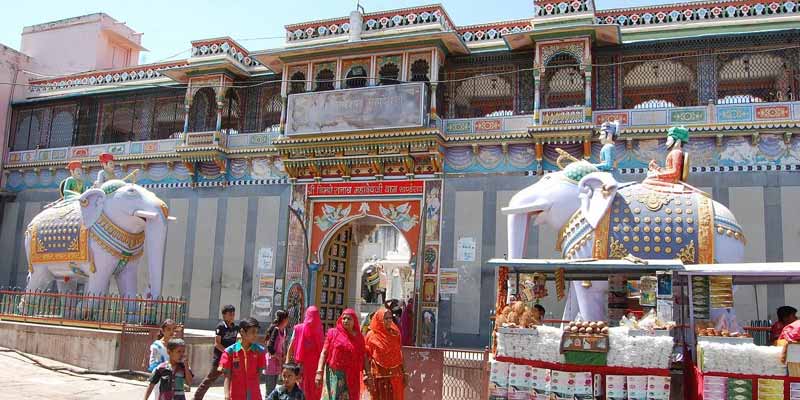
x=673, y=175
x=107, y=173
x=73, y=186
x=608, y=133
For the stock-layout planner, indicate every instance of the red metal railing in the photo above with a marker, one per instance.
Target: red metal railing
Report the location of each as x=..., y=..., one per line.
x=447, y=374
x=105, y=312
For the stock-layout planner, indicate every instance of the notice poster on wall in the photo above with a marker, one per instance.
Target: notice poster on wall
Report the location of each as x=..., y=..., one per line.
x=448, y=281
x=264, y=284
x=465, y=249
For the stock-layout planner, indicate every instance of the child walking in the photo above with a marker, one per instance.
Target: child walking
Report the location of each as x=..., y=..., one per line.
x=276, y=337
x=226, y=333
x=243, y=362
x=289, y=390
x=171, y=375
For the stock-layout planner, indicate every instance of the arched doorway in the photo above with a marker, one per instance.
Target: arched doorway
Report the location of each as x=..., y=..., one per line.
x=366, y=263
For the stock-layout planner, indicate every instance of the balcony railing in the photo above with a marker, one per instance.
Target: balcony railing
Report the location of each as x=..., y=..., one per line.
x=711, y=114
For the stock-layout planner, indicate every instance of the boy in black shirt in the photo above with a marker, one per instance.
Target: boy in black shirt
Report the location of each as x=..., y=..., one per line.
x=226, y=334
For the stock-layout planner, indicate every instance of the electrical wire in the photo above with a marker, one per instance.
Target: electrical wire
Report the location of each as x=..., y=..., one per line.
x=445, y=81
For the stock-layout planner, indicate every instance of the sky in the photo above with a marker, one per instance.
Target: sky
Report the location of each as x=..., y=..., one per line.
x=170, y=25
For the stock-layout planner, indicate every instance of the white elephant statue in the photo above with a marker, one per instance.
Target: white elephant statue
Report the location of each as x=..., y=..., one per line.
x=597, y=217
x=102, y=234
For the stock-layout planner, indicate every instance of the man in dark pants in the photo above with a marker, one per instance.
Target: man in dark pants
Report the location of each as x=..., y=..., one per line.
x=226, y=334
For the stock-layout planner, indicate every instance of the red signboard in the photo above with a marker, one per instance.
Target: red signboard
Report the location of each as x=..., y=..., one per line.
x=359, y=189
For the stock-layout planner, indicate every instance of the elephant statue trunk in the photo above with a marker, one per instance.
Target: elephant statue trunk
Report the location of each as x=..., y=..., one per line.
x=154, y=248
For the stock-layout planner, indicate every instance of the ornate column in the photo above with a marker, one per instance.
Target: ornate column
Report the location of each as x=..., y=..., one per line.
x=536, y=95
x=587, y=81
x=434, y=79
x=220, y=105
x=284, y=104
x=186, y=107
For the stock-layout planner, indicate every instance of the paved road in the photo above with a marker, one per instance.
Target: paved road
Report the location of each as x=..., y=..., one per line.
x=21, y=378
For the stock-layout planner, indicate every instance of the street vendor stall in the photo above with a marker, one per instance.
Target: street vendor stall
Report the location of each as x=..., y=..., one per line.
x=607, y=358
x=728, y=366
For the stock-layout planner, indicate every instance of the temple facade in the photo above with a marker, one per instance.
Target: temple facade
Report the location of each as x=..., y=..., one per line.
x=281, y=165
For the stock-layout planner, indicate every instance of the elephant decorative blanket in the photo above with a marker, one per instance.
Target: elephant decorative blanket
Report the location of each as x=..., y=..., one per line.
x=59, y=236
x=648, y=224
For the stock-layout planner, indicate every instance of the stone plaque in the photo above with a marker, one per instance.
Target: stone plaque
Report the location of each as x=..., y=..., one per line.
x=347, y=110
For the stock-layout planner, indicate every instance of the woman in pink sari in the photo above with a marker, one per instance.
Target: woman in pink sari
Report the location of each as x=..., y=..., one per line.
x=343, y=359
x=305, y=349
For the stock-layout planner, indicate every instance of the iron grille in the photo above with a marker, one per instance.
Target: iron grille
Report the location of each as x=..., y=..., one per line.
x=660, y=81
x=757, y=77
x=562, y=83
x=502, y=85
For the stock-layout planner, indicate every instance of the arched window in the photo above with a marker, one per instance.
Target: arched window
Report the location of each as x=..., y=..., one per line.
x=297, y=83
x=61, y=129
x=270, y=111
x=26, y=136
x=324, y=80
x=356, y=77
x=203, y=111
x=389, y=74
x=758, y=77
x=661, y=83
x=419, y=71
x=168, y=117
x=563, y=83
x=483, y=95
x=230, y=112
x=117, y=121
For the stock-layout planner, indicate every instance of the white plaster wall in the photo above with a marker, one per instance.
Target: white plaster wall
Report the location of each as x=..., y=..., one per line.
x=467, y=302
x=233, y=256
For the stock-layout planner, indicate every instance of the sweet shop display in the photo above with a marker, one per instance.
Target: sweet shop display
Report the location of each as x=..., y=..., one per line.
x=744, y=358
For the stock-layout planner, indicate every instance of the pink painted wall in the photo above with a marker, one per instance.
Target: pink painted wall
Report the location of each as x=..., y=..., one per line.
x=85, y=43
x=12, y=63
x=68, y=46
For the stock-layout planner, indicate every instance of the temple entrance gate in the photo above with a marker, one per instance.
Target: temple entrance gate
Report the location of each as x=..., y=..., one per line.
x=326, y=213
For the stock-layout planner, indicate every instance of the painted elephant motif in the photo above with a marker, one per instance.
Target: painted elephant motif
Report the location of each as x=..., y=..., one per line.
x=102, y=234
x=598, y=217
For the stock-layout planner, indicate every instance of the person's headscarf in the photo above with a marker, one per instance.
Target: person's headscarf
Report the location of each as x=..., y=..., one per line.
x=384, y=344
x=346, y=352
x=407, y=324
x=308, y=337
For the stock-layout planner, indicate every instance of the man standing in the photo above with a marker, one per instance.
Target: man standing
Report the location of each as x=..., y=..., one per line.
x=73, y=185
x=107, y=173
x=608, y=133
x=226, y=333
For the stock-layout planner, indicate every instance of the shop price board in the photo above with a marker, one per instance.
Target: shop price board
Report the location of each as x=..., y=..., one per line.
x=584, y=342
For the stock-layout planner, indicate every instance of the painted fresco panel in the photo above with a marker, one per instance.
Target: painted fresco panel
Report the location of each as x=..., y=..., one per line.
x=622, y=117
x=458, y=126
x=735, y=113
x=392, y=106
x=778, y=112
x=517, y=123
x=687, y=116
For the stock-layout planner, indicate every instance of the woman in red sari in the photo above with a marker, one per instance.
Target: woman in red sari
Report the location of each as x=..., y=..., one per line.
x=342, y=360
x=305, y=349
x=385, y=352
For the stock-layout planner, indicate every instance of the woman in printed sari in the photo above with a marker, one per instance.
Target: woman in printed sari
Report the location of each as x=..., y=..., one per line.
x=342, y=360
x=305, y=349
x=385, y=353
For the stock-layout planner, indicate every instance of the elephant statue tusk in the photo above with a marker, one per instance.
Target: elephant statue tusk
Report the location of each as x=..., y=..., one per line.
x=606, y=191
x=145, y=214
x=171, y=218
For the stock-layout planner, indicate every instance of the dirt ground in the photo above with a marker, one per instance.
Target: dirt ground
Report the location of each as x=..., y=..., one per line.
x=22, y=378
